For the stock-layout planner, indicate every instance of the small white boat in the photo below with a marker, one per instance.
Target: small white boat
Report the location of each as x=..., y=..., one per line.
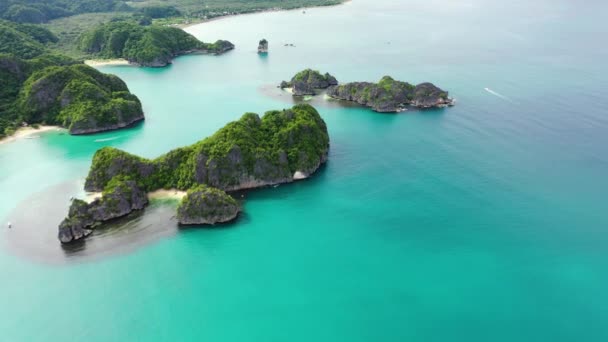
x=9, y=225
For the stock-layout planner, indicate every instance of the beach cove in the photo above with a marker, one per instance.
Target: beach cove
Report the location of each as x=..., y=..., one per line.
x=484, y=221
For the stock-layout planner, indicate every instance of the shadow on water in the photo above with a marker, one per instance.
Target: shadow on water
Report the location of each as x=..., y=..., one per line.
x=263, y=57
x=36, y=219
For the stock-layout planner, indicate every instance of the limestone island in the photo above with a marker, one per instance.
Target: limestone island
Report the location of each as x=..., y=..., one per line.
x=150, y=46
x=281, y=147
x=39, y=87
x=308, y=82
x=388, y=95
x=53, y=90
x=263, y=46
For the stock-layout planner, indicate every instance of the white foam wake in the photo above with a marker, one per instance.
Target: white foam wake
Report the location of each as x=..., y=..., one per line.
x=497, y=94
x=106, y=139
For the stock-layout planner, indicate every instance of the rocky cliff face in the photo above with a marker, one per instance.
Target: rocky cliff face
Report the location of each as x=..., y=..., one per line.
x=206, y=205
x=306, y=82
x=248, y=153
x=390, y=95
x=162, y=60
x=219, y=47
x=120, y=198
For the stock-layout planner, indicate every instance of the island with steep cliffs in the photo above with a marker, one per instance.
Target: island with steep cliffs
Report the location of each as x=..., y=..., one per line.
x=207, y=205
x=386, y=96
x=151, y=46
x=281, y=147
x=308, y=82
x=39, y=87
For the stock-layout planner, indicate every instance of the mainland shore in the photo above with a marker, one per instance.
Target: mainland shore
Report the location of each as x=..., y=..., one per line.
x=202, y=21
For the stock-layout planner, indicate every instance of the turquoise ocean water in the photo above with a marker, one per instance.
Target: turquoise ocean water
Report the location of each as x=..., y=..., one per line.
x=487, y=221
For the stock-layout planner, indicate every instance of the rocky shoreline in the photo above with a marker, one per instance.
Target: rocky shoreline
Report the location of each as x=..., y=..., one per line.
x=386, y=96
x=221, y=47
x=253, y=152
x=122, y=124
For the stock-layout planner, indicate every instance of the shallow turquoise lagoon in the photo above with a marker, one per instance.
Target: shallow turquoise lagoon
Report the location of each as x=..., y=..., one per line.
x=487, y=221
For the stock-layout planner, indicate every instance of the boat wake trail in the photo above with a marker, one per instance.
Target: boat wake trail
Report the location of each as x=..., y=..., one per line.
x=106, y=139
x=497, y=94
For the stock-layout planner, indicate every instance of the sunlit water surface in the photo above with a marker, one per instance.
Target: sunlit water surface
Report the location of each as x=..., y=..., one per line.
x=483, y=222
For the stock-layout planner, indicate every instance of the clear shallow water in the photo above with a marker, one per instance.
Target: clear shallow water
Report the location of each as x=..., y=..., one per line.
x=486, y=221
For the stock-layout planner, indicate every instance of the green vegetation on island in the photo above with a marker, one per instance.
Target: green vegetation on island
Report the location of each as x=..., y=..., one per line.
x=281, y=147
x=388, y=95
x=151, y=45
x=206, y=205
x=45, y=88
x=247, y=153
x=307, y=81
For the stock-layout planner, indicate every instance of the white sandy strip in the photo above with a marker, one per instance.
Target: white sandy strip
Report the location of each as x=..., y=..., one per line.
x=167, y=194
x=106, y=62
x=91, y=196
x=25, y=132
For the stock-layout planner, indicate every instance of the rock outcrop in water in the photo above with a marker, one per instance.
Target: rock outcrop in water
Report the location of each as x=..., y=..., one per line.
x=280, y=147
x=263, y=46
x=120, y=197
x=206, y=205
x=308, y=81
x=390, y=95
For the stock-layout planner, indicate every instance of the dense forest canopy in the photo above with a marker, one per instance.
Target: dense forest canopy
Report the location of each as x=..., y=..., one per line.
x=142, y=44
x=40, y=11
x=40, y=87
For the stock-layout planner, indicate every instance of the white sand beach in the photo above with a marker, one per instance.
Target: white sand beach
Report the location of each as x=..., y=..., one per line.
x=167, y=194
x=29, y=133
x=106, y=62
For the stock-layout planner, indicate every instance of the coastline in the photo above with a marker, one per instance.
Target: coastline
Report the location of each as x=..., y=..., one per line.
x=167, y=194
x=203, y=21
x=25, y=132
x=106, y=62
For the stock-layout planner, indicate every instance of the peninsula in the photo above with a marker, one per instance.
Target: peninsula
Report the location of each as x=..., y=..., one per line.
x=151, y=45
x=39, y=87
x=388, y=95
x=280, y=147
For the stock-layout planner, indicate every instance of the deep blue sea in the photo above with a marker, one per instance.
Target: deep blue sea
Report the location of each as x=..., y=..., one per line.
x=487, y=221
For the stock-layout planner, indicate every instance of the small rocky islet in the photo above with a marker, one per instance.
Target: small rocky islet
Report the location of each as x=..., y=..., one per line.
x=386, y=96
x=281, y=147
x=263, y=46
